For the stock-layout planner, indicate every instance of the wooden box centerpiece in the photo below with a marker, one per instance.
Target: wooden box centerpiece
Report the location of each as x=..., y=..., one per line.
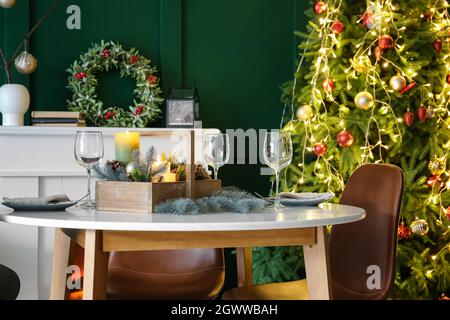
x=142, y=197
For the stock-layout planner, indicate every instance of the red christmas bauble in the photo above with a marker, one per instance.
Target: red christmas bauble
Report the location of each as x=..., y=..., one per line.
x=80, y=75
x=437, y=45
x=448, y=78
x=378, y=53
x=106, y=53
x=409, y=118
x=422, y=113
x=386, y=42
x=152, y=79
x=320, y=149
x=367, y=19
x=409, y=87
x=338, y=27
x=320, y=7
x=428, y=16
x=431, y=182
x=404, y=232
x=134, y=59
x=328, y=85
x=345, y=139
x=447, y=213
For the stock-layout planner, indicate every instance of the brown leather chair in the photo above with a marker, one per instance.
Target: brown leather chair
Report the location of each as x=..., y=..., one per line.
x=353, y=247
x=166, y=275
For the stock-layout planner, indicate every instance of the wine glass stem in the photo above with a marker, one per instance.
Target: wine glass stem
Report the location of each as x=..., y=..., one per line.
x=216, y=173
x=89, y=197
x=277, y=190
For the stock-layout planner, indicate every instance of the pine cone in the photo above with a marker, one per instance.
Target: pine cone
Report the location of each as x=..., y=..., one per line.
x=201, y=173
x=116, y=165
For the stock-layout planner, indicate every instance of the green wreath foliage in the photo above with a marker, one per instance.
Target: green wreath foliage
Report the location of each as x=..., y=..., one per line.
x=105, y=57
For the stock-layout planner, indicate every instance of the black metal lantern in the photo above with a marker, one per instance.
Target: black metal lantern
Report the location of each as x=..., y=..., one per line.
x=182, y=108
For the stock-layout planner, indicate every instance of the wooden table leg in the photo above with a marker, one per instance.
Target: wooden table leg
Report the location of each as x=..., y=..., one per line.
x=244, y=257
x=63, y=249
x=318, y=267
x=95, y=267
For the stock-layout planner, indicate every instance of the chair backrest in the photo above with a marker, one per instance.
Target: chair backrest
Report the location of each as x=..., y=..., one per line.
x=197, y=274
x=369, y=247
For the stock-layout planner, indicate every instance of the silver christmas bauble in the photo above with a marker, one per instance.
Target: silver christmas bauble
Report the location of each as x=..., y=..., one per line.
x=398, y=83
x=420, y=227
x=7, y=3
x=304, y=113
x=364, y=100
x=131, y=167
x=25, y=63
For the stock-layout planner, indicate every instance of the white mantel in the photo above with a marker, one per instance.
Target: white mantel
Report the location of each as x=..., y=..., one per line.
x=39, y=161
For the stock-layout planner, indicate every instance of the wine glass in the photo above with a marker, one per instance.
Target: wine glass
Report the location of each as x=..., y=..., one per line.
x=89, y=151
x=278, y=155
x=216, y=151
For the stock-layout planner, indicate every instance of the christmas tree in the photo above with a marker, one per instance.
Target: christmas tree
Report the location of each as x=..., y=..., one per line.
x=373, y=86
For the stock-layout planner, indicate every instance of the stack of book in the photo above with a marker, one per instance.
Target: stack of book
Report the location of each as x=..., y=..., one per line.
x=58, y=119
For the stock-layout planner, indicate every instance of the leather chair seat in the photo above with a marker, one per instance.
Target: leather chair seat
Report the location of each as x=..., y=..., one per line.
x=295, y=290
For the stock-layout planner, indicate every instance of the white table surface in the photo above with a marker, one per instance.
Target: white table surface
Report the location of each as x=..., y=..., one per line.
x=286, y=218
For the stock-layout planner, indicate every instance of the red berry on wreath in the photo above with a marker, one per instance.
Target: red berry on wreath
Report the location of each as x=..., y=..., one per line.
x=320, y=7
x=105, y=54
x=110, y=115
x=134, y=59
x=386, y=42
x=422, y=113
x=431, y=182
x=328, y=85
x=404, y=232
x=320, y=149
x=345, y=139
x=337, y=27
x=437, y=45
x=152, y=79
x=409, y=118
x=80, y=75
x=138, y=111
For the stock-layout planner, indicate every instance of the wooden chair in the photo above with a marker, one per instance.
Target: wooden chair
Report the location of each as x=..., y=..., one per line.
x=353, y=248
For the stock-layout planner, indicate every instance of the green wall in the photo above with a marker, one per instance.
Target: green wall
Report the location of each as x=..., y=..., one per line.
x=237, y=52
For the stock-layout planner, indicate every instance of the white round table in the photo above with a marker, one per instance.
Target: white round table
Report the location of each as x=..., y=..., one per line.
x=103, y=232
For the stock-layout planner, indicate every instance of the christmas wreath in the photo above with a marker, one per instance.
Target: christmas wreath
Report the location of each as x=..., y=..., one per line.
x=105, y=57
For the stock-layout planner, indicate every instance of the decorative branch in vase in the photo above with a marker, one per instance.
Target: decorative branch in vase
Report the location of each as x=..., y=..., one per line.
x=15, y=98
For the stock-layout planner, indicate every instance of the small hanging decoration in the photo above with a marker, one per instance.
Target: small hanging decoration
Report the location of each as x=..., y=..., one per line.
x=404, y=232
x=448, y=78
x=337, y=27
x=398, y=83
x=328, y=85
x=433, y=180
x=386, y=42
x=409, y=87
x=7, y=4
x=320, y=7
x=437, y=45
x=320, y=149
x=378, y=53
x=304, y=113
x=25, y=63
x=420, y=227
x=422, y=113
x=447, y=213
x=364, y=100
x=409, y=118
x=345, y=139
x=437, y=166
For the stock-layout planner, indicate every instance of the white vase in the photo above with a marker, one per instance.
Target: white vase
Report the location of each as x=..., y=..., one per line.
x=14, y=102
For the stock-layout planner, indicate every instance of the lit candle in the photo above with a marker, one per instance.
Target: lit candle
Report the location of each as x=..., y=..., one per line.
x=169, y=176
x=126, y=144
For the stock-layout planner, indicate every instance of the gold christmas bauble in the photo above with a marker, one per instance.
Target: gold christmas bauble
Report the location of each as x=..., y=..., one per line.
x=304, y=113
x=25, y=63
x=420, y=227
x=437, y=166
x=398, y=83
x=7, y=3
x=364, y=100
